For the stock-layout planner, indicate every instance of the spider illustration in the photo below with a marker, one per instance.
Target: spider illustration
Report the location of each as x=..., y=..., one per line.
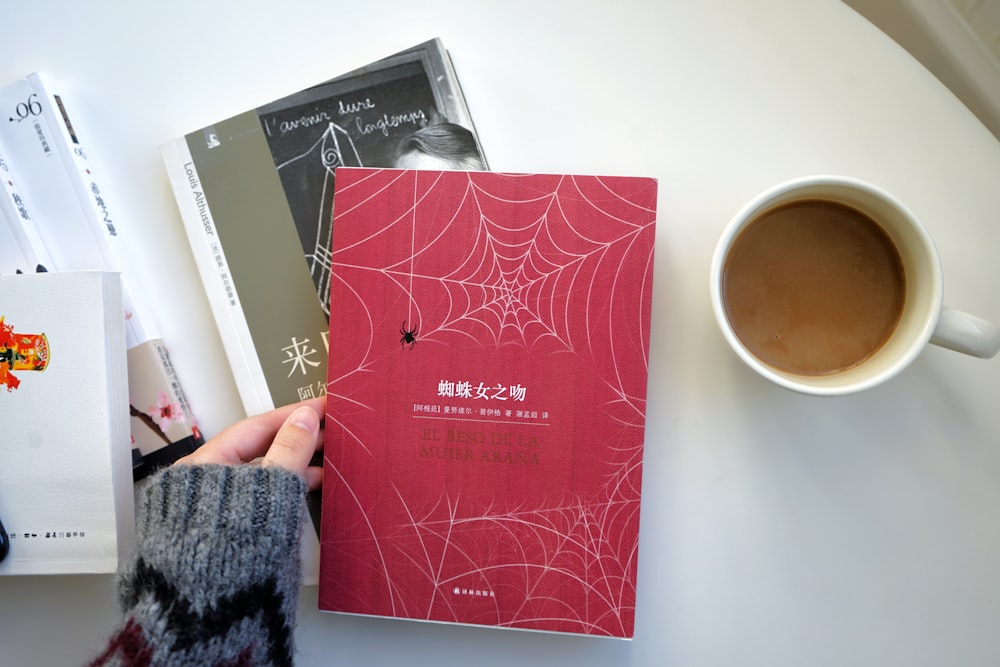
x=409, y=336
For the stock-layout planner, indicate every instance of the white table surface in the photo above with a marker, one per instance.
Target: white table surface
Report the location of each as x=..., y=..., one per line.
x=777, y=529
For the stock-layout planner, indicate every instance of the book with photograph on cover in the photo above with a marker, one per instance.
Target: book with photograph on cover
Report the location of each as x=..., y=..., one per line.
x=486, y=405
x=66, y=493
x=255, y=193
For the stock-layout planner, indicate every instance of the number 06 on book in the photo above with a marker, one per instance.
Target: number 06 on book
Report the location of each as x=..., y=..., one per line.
x=489, y=338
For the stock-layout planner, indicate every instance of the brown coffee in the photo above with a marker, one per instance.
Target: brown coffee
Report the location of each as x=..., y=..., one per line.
x=813, y=287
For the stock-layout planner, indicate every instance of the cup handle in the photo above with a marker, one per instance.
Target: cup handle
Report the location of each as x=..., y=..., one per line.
x=965, y=333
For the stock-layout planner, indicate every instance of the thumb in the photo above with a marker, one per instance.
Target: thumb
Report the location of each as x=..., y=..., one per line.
x=296, y=441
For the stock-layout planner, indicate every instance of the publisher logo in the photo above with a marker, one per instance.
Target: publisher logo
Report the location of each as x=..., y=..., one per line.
x=472, y=592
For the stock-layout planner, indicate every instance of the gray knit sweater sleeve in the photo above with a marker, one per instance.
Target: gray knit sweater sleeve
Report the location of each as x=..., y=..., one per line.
x=214, y=578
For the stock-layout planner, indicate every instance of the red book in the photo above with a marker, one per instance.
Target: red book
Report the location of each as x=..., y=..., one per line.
x=489, y=338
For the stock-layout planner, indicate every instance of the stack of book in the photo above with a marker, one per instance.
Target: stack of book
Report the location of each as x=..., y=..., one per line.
x=57, y=214
x=255, y=193
x=482, y=340
x=90, y=399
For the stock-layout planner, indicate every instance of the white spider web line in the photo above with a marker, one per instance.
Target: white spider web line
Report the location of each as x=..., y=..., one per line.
x=513, y=276
x=583, y=539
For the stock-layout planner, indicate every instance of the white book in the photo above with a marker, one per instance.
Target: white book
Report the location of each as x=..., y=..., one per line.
x=68, y=207
x=66, y=496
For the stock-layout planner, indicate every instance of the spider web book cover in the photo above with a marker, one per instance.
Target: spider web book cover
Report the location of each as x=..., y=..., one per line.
x=486, y=398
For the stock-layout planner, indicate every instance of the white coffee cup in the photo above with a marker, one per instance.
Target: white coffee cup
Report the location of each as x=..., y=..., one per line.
x=924, y=318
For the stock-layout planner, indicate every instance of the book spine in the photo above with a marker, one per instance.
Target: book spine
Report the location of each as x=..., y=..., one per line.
x=32, y=144
x=16, y=212
x=12, y=256
x=91, y=196
x=210, y=259
x=122, y=456
x=457, y=102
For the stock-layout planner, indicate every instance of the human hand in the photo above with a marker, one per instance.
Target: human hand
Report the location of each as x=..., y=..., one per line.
x=286, y=437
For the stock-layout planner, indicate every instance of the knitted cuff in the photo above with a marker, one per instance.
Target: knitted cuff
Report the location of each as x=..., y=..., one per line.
x=217, y=557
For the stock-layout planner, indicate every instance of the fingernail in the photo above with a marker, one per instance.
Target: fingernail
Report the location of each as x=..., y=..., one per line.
x=305, y=418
